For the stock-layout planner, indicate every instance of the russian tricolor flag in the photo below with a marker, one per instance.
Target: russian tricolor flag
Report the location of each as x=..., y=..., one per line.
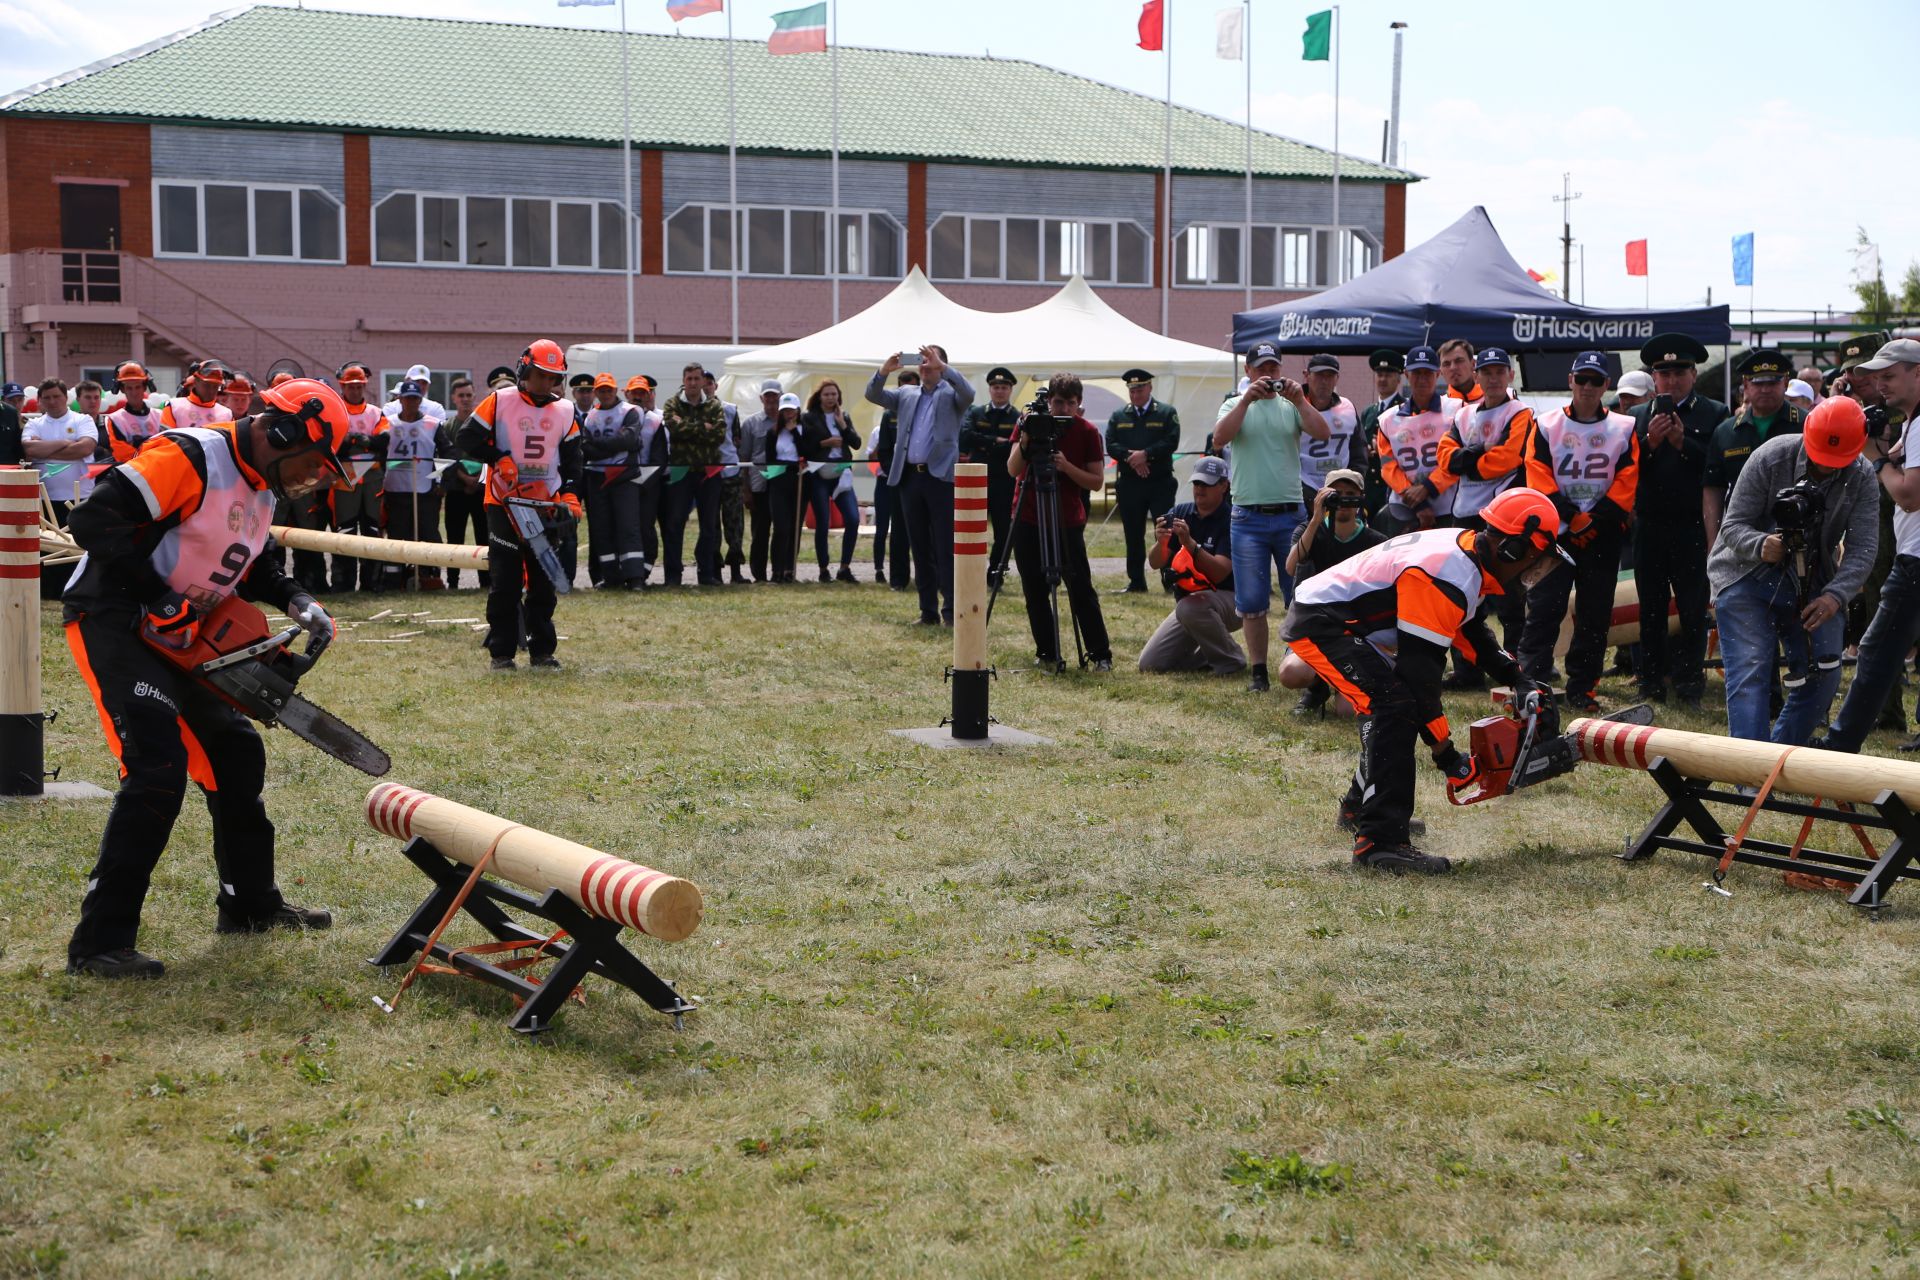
x=680, y=10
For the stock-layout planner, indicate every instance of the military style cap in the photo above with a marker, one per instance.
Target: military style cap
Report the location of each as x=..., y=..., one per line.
x=1763, y=364
x=1387, y=360
x=1323, y=360
x=1422, y=358
x=1004, y=376
x=580, y=380
x=1860, y=348
x=1492, y=355
x=1137, y=378
x=1672, y=351
x=499, y=372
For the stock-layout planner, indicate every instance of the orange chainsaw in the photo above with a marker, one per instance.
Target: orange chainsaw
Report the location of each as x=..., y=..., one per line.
x=1523, y=746
x=237, y=656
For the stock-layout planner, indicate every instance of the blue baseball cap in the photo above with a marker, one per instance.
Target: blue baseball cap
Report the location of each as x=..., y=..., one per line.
x=410, y=388
x=1422, y=358
x=1591, y=362
x=1492, y=355
x=10, y=390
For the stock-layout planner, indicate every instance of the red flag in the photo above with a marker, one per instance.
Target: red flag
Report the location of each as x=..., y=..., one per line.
x=1534, y=276
x=1150, y=26
x=1636, y=257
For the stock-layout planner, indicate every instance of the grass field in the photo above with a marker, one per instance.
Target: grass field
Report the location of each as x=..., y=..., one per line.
x=1113, y=1007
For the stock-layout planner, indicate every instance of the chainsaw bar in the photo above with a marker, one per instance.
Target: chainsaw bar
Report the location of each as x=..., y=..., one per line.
x=268, y=698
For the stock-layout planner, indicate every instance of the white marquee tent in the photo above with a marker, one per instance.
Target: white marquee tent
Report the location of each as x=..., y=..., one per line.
x=1074, y=330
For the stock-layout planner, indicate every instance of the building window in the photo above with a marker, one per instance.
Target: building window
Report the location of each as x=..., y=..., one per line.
x=774, y=241
x=1211, y=253
x=413, y=228
x=231, y=220
x=390, y=380
x=964, y=246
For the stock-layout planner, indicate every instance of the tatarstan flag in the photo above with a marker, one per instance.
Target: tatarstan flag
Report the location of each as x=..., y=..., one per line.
x=799, y=30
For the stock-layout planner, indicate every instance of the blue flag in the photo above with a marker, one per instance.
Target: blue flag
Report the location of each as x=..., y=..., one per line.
x=1743, y=259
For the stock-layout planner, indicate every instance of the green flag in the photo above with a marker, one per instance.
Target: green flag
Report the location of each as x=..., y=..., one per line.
x=1317, y=41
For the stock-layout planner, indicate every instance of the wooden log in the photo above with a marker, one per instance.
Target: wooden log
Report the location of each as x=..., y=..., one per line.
x=660, y=905
x=439, y=555
x=22, y=732
x=1831, y=775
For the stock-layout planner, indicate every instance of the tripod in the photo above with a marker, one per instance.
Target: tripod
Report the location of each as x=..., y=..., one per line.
x=1046, y=513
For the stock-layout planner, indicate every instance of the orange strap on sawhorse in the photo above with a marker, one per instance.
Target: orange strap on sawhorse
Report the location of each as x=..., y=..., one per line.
x=1807, y=880
x=459, y=900
x=1739, y=837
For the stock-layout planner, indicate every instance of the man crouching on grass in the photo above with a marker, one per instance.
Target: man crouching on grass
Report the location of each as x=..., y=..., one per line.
x=1417, y=595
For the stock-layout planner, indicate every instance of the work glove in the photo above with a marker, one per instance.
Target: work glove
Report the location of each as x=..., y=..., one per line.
x=1462, y=771
x=569, y=503
x=314, y=620
x=507, y=470
x=1581, y=531
x=172, y=620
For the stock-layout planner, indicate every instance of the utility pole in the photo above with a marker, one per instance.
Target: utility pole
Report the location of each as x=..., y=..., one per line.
x=1566, y=197
x=1393, y=113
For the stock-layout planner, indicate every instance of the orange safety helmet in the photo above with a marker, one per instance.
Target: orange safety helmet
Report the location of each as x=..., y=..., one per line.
x=210, y=369
x=1835, y=432
x=317, y=419
x=280, y=377
x=1522, y=513
x=131, y=371
x=543, y=354
x=238, y=382
x=351, y=371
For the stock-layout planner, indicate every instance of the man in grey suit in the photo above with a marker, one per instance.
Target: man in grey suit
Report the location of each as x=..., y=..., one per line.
x=930, y=416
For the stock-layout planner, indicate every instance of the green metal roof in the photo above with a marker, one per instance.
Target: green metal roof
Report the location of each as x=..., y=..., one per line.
x=274, y=67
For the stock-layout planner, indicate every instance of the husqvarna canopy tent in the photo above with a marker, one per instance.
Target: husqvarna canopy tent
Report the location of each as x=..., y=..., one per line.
x=1461, y=284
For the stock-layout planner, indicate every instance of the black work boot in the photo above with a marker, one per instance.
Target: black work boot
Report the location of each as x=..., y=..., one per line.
x=285, y=916
x=1397, y=859
x=1349, y=822
x=124, y=963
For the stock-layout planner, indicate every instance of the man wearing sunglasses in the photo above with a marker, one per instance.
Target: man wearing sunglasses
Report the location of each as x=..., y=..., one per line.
x=1587, y=462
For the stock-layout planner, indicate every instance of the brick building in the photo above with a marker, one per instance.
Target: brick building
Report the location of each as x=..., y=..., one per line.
x=316, y=186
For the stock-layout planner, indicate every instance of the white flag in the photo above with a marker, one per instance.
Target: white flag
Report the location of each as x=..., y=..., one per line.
x=1228, y=33
x=1866, y=263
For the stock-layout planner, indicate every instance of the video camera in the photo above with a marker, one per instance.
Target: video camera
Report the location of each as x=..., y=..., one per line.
x=1042, y=429
x=1879, y=423
x=1797, y=512
x=1339, y=501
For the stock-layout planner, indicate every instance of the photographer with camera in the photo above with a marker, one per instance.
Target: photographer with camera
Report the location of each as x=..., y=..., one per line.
x=1336, y=531
x=1194, y=554
x=1778, y=577
x=1057, y=459
x=1264, y=424
x=1896, y=621
x=1764, y=413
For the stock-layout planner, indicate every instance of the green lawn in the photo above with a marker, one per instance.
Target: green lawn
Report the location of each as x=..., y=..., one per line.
x=1112, y=1007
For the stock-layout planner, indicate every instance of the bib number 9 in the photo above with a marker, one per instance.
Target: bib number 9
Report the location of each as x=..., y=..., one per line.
x=233, y=563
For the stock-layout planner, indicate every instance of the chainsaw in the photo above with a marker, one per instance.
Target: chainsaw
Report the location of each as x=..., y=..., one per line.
x=534, y=520
x=237, y=657
x=1521, y=747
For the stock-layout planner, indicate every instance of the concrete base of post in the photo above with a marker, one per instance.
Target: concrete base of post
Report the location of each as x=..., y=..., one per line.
x=998, y=735
x=65, y=791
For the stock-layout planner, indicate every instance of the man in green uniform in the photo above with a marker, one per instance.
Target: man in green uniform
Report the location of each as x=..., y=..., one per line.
x=1764, y=413
x=987, y=436
x=1389, y=369
x=1141, y=439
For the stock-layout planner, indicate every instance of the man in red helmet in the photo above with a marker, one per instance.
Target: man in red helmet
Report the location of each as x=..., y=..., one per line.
x=529, y=439
x=168, y=536
x=356, y=507
x=1377, y=628
x=198, y=405
x=133, y=423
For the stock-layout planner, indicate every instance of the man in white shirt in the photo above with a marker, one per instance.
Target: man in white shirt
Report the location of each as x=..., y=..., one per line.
x=429, y=407
x=60, y=445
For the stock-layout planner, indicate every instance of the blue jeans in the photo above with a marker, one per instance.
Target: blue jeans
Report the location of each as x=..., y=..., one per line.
x=1261, y=540
x=1883, y=651
x=1749, y=647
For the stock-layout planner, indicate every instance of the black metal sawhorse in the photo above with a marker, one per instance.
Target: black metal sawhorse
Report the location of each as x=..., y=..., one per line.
x=595, y=946
x=1873, y=879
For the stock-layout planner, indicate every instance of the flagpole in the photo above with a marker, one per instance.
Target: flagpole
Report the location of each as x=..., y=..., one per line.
x=626, y=157
x=1166, y=174
x=1246, y=245
x=833, y=223
x=733, y=198
x=1339, y=236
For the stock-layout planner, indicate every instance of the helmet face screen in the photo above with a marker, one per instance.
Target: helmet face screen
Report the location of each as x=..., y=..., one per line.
x=1544, y=567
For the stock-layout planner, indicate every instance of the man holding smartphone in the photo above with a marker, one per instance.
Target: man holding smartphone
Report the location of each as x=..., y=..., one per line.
x=1669, y=528
x=1264, y=424
x=921, y=476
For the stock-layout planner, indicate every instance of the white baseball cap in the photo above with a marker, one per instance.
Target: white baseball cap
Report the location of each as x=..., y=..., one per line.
x=789, y=401
x=420, y=372
x=1636, y=383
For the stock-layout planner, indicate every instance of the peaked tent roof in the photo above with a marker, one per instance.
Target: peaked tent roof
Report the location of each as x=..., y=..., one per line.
x=1461, y=284
x=285, y=68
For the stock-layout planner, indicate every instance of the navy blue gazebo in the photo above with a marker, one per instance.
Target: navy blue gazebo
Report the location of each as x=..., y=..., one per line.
x=1461, y=284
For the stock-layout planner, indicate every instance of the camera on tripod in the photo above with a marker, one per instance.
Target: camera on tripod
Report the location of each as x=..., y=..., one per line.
x=1042, y=428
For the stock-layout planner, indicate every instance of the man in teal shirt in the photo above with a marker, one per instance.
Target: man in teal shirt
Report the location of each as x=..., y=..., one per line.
x=1263, y=424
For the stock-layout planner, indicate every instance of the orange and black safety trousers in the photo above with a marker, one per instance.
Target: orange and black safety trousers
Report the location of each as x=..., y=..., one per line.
x=165, y=729
x=511, y=563
x=1381, y=794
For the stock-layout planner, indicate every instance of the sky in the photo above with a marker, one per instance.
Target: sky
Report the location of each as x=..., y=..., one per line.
x=1684, y=123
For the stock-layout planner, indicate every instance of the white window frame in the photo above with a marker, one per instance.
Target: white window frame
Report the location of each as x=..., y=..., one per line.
x=1280, y=232
x=391, y=378
x=1073, y=229
x=743, y=213
x=461, y=198
x=199, y=187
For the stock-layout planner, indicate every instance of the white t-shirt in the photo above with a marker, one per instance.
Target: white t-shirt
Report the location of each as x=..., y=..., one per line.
x=1906, y=524
x=429, y=408
x=66, y=479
